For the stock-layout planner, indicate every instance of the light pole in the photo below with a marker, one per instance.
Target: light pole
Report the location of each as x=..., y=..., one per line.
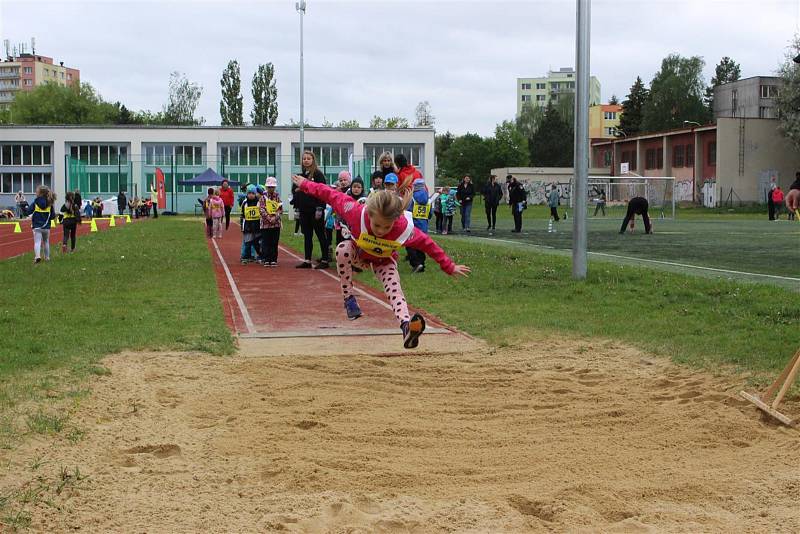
x=581, y=160
x=301, y=8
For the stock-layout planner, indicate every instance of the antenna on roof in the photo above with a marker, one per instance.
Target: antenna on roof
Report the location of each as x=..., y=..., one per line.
x=7, y=48
x=33, y=45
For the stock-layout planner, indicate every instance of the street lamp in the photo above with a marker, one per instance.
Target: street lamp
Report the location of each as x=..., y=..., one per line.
x=301, y=8
x=581, y=154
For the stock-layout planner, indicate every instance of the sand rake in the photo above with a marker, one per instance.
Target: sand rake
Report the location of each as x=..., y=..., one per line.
x=781, y=386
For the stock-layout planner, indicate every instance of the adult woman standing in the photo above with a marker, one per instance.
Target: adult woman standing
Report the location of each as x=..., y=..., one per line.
x=465, y=195
x=517, y=196
x=312, y=211
x=226, y=194
x=386, y=164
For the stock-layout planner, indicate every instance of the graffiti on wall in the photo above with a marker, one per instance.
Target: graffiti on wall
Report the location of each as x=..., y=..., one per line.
x=538, y=190
x=683, y=191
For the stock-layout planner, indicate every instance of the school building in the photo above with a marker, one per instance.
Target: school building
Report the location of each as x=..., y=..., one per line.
x=102, y=160
x=733, y=161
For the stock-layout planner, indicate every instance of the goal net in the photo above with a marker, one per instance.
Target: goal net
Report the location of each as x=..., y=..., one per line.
x=608, y=196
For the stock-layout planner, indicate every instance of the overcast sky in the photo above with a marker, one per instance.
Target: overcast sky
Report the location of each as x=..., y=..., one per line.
x=381, y=58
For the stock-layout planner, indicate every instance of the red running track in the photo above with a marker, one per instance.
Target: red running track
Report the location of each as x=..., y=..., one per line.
x=12, y=244
x=287, y=302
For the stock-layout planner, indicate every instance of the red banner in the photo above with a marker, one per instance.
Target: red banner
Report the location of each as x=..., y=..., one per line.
x=160, y=191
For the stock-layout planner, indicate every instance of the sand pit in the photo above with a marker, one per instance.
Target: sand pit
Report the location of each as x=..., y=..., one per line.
x=558, y=436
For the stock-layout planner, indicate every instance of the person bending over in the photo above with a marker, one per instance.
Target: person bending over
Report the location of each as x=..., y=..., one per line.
x=637, y=206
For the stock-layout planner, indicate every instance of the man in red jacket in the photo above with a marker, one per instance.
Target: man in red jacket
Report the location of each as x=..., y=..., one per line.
x=406, y=173
x=226, y=193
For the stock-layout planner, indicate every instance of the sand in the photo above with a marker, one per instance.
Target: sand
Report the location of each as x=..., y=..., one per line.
x=557, y=436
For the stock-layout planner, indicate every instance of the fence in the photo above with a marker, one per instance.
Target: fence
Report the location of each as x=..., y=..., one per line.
x=135, y=175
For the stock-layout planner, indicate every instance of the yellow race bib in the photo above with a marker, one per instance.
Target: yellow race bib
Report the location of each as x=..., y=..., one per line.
x=421, y=211
x=251, y=213
x=272, y=206
x=375, y=246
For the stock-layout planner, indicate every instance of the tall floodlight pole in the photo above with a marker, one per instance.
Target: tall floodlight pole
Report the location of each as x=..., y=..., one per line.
x=301, y=8
x=581, y=157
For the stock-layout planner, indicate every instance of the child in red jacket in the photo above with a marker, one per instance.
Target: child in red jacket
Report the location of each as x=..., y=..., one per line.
x=379, y=229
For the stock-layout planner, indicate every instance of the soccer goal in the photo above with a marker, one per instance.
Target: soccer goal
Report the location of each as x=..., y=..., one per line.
x=608, y=196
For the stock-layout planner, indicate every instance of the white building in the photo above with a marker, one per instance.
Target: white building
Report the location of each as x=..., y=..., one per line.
x=102, y=160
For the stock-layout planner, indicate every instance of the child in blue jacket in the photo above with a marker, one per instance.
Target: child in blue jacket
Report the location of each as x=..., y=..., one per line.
x=420, y=208
x=43, y=215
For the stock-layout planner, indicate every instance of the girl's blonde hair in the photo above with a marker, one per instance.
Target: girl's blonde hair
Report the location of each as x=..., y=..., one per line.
x=313, y=169
x=389, y=155
x=44, y=191
x=388, y=204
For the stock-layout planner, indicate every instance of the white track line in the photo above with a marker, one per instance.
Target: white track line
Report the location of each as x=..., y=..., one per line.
x=645, y=260
x=323, y=271
x=248, y=321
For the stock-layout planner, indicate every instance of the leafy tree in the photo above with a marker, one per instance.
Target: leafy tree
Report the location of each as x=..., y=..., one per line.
x=508, y=148
x=396, y=122
x=630, y=121
x=265, y=96
x=566, y=108
x=553, y=143
x=230, y=107
x=377, y=122
x=183, y=99
x=726, y=71
x=51, y=103
x=352, y=123
x=614, y=101
x=424, y=117
x=529, y=119
x=787, y=103
x=676, y=94
x=466, y=155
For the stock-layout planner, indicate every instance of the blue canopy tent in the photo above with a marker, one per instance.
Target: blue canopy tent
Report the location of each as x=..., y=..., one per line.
x=207, y=177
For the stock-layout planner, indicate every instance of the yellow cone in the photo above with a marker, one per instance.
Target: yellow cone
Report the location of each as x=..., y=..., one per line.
x=17, y=229
x=93, y=226
x=52, y=223
x=112, y=223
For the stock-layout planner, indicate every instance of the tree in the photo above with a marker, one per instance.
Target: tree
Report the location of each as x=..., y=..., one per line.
x=51, y=103
x=424, y=117
x=183, y=99
x=230, y=107
x=630, y=121
x=565, y=106
x=396, y=122
x=508, y=148
x=726, y=71
x=377, y=122
x=553, y=143
x=265, y=96
x=787, y=102
x=529, y=119
x=613, y=101
x=352, y=123
x=676, y=94
x=466, y=155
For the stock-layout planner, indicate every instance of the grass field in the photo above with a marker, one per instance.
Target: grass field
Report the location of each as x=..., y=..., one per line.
x=152, y=286
x=739, y=240
x=144, y=286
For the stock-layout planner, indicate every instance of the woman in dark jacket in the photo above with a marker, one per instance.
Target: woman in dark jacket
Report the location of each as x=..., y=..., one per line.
x=517, y=197
x=492, y=195
x=465, y=195
x=312, y=213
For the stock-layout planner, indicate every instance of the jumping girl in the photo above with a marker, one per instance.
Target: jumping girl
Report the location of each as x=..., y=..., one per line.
x=379, y=228
x=43, y=214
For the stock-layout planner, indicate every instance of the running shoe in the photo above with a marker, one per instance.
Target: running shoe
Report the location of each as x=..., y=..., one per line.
x=304, y=265
x=352, y=308
x=322, y=265
x=412, y=330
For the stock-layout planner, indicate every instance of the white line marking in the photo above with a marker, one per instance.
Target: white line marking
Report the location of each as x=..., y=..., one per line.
x=323, y=271
x=645, y=260
x=242, y=308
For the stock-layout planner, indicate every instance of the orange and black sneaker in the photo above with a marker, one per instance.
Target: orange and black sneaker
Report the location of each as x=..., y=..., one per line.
x=412, y=330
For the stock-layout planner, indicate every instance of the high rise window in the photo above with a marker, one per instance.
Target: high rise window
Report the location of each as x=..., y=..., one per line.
x=526, y=87
x=769, y=91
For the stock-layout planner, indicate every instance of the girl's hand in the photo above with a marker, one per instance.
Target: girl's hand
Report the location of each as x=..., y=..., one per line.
x=298, y=180
x=461, y=270
x=793, y=199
